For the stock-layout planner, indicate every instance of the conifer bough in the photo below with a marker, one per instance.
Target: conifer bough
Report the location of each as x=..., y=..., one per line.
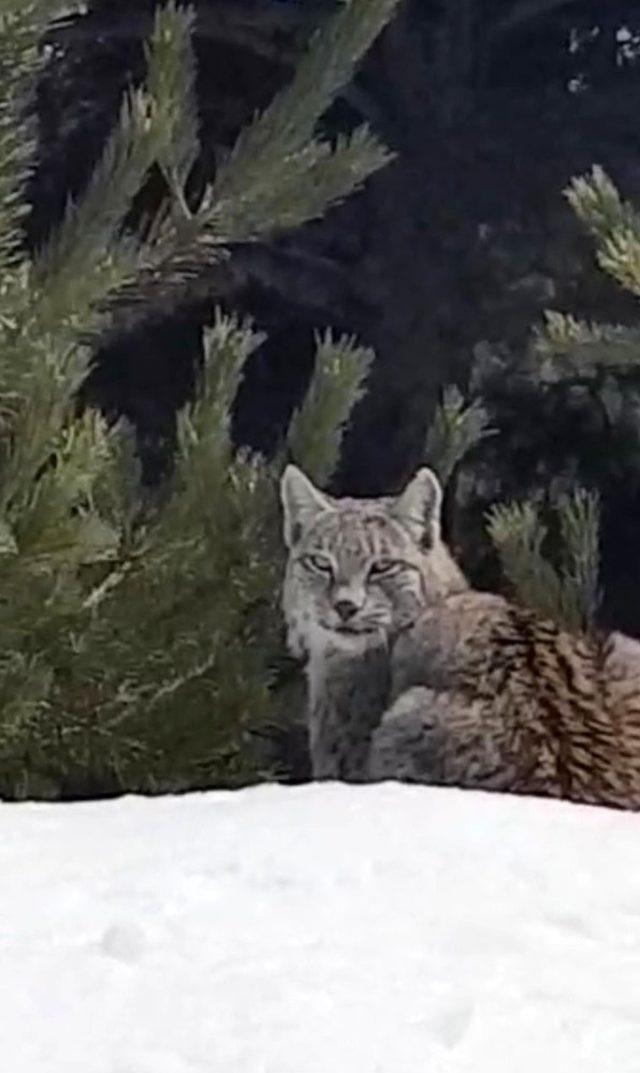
x=139, y=644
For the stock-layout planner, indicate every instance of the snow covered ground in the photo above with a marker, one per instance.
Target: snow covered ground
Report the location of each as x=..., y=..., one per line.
x=323, y=929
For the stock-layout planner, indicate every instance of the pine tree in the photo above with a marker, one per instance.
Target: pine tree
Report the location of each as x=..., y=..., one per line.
x=566, y=591
x=139, y=639
x=553, y=569
x=605, y=360
x=567, y=345
x=456, y=428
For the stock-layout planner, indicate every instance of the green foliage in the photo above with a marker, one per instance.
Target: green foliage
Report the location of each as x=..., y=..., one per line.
x=604, y=359
x=614, y=223
x=150, y=640
x=578, y=349
x=315, y=432
x=597, y=203
x=457, y=427
x=278, y=175
x=279, y=148
x=568, y=593
x=140, y=639
x=571, y=347
x=579, y=516
x=171, y=79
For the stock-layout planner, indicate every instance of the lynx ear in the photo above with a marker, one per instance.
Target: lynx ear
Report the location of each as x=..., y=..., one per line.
x=418, y=507
x=301, y=502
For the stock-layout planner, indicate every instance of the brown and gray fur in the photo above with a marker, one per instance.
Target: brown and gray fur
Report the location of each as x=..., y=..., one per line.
x=413, y=675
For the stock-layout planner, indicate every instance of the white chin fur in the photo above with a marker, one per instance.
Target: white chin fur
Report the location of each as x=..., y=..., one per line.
x=317, y=639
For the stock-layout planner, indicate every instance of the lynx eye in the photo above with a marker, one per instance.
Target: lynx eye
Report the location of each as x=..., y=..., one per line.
x=319, y=563
x=385, y=568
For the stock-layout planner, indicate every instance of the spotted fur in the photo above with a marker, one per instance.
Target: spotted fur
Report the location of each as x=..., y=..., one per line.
x=413, y=675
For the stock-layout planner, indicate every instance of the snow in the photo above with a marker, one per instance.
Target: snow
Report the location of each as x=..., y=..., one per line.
x=319, y=929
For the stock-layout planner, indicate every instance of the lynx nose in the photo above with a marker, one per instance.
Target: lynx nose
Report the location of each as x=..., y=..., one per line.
x=346, y=609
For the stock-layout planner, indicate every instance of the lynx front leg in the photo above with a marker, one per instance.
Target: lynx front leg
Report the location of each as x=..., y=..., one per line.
x=349, y=690
x=436, y=737
x=411, y=741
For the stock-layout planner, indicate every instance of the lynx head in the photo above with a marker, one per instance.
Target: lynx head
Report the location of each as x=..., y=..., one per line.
x=361, y=567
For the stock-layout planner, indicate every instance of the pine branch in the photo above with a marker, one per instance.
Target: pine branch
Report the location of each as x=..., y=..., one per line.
x=620, y=257
x=301, y=188
x=298, y=187
x=227, y=346
x=572, y=347
x=579, y=516
x=22, y=24
x=157, y=124
x=277, y=176
x=518, y=535
x=110, y=609
x=288, y=124
x=57, y=301
x=338, y=382
x=455, y=430
x=57, y=520
x=597, y=203
x=569, y=596
x=87, y=247
x=205, y=456
x=614, y=223
x=19, y=35
x=171, y=79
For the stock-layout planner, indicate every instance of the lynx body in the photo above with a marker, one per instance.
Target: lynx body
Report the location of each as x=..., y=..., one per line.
x=414, y=675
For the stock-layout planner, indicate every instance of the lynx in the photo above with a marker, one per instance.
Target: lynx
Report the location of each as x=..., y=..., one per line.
x=414, y=675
